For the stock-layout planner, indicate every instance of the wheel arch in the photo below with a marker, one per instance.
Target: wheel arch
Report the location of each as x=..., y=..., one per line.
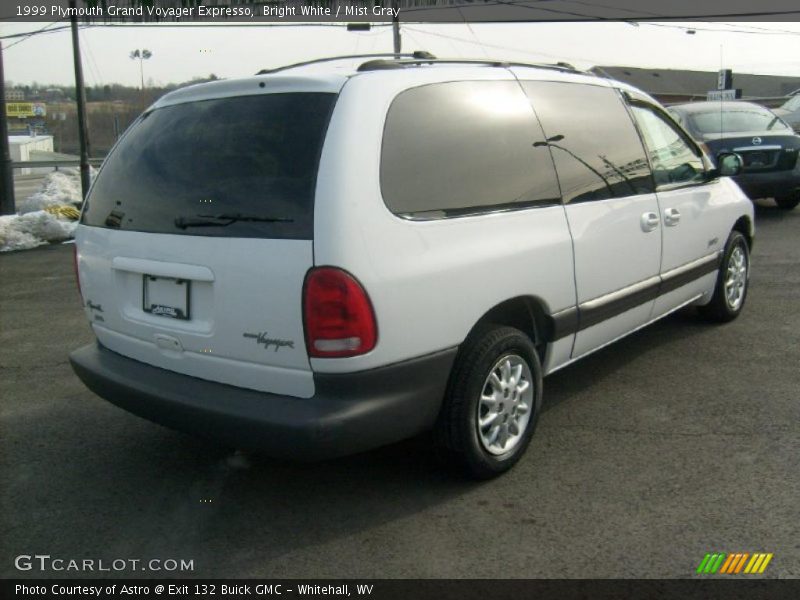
x=457, y=429
x=526, y=313
x=744, y=225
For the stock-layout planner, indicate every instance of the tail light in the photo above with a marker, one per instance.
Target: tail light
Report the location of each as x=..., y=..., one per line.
x=339, y=319
x=75, y=266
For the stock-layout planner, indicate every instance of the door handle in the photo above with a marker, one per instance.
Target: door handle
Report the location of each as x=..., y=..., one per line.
x=671, y=217
x=649, y=221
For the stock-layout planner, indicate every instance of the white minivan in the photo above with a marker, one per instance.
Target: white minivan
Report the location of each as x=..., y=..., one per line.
x=326, y=258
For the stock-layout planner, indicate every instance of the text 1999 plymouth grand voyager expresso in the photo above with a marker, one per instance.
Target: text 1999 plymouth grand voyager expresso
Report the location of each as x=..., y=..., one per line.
x=316, y=261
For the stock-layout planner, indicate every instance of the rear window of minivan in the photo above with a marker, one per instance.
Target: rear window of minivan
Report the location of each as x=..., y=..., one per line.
x=234, y=167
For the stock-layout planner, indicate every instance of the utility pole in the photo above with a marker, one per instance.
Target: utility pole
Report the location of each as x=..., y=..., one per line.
x=80, y=97
x=396, y=30
x=7, y=205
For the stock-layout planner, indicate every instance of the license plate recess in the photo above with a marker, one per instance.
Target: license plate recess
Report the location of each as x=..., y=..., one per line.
x=166, y=296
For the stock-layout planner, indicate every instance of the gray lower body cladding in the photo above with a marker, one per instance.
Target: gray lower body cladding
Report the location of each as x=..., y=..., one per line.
x=349, y=412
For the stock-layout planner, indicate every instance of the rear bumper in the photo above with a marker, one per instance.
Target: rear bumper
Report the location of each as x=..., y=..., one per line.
x=769, y=185
x=348, y=413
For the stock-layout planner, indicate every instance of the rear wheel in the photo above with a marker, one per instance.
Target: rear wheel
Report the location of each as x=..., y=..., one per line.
x=787, y=202
x=492, y=403
x=731, y=288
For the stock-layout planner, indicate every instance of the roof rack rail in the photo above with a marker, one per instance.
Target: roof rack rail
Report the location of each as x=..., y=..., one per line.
x=418, y=55
x=380, y=64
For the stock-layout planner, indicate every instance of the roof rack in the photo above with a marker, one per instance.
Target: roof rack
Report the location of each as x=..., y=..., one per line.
x=380, y=64
x=418, y=55
x=389, y=60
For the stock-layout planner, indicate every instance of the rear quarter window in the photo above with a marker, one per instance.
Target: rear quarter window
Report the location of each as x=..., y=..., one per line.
x=459, y=148
x=251, y=156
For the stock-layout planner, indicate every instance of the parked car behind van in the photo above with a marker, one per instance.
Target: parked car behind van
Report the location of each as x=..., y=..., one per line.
x=313, y=263
x=767, y=145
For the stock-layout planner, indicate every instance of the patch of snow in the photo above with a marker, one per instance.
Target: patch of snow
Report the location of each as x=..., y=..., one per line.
x=59, y=187
x=33, y=226
x=13, y=239
x=22, y=232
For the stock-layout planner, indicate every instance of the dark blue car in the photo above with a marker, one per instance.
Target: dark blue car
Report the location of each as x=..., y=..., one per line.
x=767, y=145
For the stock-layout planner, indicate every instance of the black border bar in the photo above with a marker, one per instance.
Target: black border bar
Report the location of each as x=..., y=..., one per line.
x=417, y=11
x=729, y=587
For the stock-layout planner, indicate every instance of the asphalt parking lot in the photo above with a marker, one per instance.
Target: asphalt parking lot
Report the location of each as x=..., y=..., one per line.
x=679, y=440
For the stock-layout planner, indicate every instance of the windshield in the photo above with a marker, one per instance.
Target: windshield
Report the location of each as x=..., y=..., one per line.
x=736, y=120
x=255, y=156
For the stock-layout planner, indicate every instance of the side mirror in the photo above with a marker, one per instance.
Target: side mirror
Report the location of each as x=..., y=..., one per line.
x=729, y=164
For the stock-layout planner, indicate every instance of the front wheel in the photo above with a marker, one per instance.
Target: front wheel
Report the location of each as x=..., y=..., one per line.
x=492, y=403
x=787, y=202
x=730, y=291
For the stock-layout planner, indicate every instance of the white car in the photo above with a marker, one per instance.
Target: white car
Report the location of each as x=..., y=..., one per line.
x=789, y=111
x=320, y=260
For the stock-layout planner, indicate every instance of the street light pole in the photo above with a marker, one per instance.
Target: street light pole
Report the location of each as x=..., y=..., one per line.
x=141, y=72
x=141, y=77
x=141, y=55
x=80, y=97
x=7, y=205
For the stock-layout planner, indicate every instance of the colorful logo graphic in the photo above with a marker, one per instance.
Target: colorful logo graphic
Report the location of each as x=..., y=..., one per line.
x=734, y=563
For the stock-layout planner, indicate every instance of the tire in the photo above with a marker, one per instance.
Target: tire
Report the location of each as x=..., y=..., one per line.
x=508, y=355
x=787, y=202
x=730, y=291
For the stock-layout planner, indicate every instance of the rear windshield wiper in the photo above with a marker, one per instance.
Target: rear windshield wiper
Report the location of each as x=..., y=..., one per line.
x=225, y=219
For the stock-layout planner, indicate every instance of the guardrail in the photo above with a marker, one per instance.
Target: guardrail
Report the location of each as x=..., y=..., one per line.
x=27, y=164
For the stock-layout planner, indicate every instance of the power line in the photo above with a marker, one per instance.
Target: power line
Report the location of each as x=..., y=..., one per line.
x=728, y=29
x=166, y=25
x=715, y=30
x=772, y=30
x=522, y=5
x=472, y=32
x=518, y=50
x=407, y=31
x=28, y=34
x=498, y=47
x=91, y=62
x=627, y=10
x=751, y=29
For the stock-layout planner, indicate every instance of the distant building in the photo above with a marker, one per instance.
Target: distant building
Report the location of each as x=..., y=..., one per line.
x=671, y=86
x=25, y=148
x=15, y=95
x=53, y=95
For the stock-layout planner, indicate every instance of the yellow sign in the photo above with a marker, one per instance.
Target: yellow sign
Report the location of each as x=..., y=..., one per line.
x=25, y=109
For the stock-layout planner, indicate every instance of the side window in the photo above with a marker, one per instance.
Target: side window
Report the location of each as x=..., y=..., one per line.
x=462, y=147
x=672, y=158
x=593, y=141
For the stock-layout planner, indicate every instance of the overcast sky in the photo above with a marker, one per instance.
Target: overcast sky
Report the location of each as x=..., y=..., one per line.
x=181, y=53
